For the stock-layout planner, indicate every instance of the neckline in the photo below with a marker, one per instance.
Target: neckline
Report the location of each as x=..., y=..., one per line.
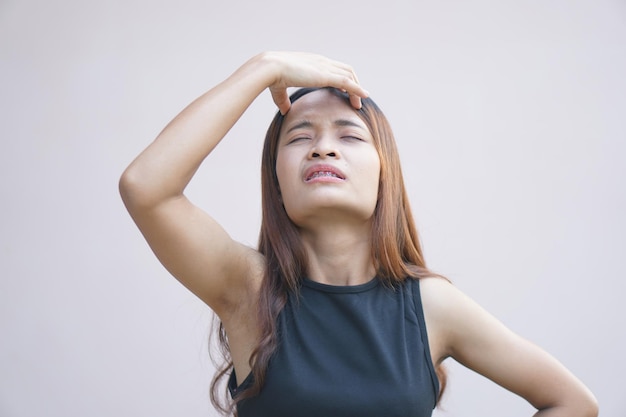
x=341, y=289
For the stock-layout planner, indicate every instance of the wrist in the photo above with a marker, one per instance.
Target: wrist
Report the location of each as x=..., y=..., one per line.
x=266, y=65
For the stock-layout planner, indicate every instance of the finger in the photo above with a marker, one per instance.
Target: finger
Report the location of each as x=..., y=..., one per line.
x=354, y=90
x=281, y=99
x=347, y=70
x=355, y=101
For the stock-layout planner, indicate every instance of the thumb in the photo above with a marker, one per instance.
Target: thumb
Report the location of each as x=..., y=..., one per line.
x=281, y=98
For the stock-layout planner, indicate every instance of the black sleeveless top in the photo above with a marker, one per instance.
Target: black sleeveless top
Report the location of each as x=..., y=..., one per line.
x=348, y=351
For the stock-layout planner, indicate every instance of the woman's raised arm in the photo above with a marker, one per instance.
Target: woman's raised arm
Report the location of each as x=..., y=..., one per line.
x=187, y=241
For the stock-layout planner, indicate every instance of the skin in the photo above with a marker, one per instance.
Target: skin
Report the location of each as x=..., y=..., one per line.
x=334, y=217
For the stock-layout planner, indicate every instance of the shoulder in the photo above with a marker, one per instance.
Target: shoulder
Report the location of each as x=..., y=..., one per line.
x=445, y=301
x=440, y=297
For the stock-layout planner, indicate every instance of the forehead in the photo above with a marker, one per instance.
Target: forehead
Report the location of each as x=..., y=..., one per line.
x=321, y=105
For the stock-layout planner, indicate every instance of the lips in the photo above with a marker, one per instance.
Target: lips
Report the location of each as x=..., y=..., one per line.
x=323, y=171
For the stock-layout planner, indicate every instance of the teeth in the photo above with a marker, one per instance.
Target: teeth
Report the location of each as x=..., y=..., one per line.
x=324, y=174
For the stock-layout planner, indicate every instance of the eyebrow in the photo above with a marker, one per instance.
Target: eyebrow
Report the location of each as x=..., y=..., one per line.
x=339, y=122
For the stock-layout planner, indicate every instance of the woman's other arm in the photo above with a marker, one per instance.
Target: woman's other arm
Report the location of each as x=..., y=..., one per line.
x=461, y=329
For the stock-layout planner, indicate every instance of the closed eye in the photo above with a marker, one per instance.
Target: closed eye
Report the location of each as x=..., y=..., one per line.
x=298, y=139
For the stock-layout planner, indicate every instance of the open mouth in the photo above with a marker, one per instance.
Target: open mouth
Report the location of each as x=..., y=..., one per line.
x=322, y=172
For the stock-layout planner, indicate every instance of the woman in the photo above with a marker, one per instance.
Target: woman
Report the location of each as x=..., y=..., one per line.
x=336, y=313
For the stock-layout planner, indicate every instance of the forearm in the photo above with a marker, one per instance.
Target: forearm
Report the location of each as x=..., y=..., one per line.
x=167, y=165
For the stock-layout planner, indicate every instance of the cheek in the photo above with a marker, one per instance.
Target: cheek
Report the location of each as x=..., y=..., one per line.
x=373, y=171
x=286, y=174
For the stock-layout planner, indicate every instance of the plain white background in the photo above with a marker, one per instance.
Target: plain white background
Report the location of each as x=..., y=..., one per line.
x=510, y=117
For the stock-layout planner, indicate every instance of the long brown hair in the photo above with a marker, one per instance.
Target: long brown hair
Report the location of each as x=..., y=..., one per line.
x=396, y=249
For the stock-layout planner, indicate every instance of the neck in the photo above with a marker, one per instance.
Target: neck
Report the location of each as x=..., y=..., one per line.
x=339, y=254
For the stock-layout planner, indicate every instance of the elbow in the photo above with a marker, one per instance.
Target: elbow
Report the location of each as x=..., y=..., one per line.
x=588, y=405
x=141, y=191
x=125, y=185
x=592, y=409
x=584, y=406
x=133, y=191
x=579, y=404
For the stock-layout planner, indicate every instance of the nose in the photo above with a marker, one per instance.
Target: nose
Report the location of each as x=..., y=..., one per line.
x=324, y=147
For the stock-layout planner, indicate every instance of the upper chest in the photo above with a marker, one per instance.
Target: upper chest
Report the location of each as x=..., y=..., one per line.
x=347, y=354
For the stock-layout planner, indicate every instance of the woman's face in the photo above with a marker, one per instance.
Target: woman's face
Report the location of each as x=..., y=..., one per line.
x=327, y=165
